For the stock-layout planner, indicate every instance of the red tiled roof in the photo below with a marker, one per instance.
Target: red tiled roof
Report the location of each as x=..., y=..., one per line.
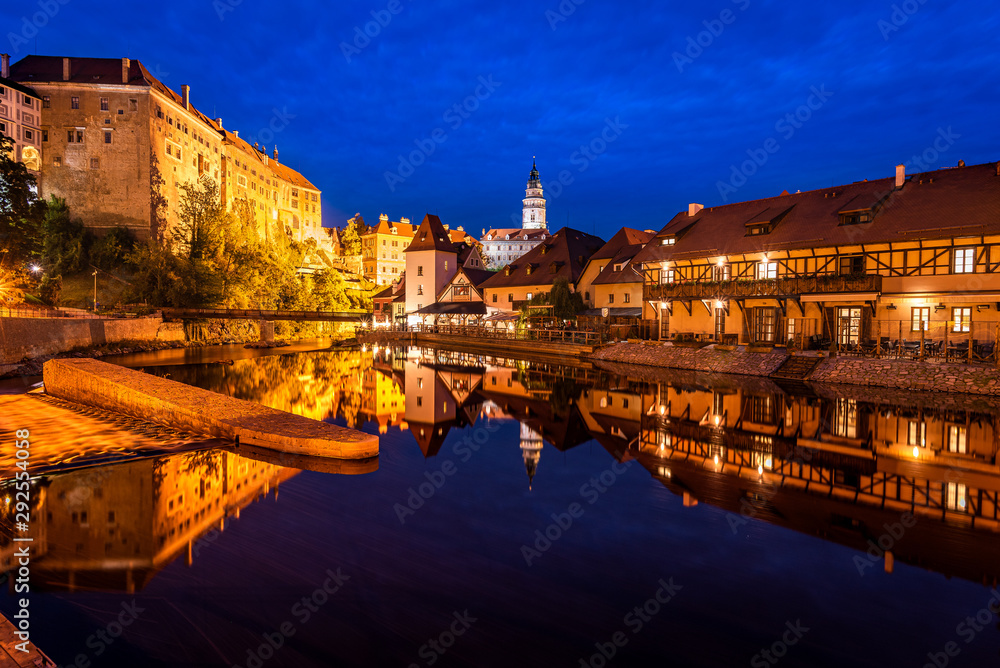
x=431, y=235
x=625, y=237
x=405, y=230
x=941, y=204
x=515, y=233
x=567, y=251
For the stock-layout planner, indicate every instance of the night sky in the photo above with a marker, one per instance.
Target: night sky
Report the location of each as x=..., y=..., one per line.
x=668, y=97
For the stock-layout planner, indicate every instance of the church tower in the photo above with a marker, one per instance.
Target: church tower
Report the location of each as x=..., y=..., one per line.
x=533, y=213
x=531, y=450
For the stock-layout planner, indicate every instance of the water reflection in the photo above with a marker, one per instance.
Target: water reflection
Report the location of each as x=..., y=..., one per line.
x=839, y=462
x=114, y=527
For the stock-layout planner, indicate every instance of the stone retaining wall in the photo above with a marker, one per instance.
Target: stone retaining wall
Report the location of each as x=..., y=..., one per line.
x=909, y=375
x=35, y=337
x=711, y=359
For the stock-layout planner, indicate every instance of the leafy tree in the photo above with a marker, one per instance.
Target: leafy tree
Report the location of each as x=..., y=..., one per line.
x=67, y=241
x=201, y=227
x=111, y=251
x=566, y=303
x=350, y=240
x=21, y=212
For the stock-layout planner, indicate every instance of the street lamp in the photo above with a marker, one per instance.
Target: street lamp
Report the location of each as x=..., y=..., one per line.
x=95, y=290
x=35, y=269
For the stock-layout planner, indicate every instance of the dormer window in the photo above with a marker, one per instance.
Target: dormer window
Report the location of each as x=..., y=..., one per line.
x=619, y=266
x=506, y=270
x=858, y=217
x=528, y=270
x=545, y=249
x=758, y=229
x=394, y=231
x=669, y=241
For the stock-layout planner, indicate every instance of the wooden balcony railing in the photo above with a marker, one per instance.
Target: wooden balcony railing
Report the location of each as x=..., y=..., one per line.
x=777, y=287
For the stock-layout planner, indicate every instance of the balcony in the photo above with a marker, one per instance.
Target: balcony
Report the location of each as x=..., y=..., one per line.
x=777, y=287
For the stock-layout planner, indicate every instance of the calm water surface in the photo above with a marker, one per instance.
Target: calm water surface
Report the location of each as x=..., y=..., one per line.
x=523, y=515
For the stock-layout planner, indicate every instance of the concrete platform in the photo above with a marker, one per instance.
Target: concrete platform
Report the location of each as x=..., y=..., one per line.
x=167, y=402
x=11, y=657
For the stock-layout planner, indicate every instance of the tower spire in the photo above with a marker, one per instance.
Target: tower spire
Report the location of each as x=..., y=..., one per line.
x=533, y=212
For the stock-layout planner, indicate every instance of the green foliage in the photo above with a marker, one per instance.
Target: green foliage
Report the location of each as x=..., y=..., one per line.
x=67, y=242
x=50, y=289
x=111, y=251
x=566, y=303
x=350, y=240
x=21, y=212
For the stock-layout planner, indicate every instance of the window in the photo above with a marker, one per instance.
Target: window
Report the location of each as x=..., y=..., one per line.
x=104, y=104
x=667, y=276
x=241, y=180
x=920, y=318
x=669, y=241
x=420, y=289
x=957, y=439
x=95, y=163
x=446, y=265
x=107, y=137
x=420, y=270
x=957, y=497
x=28, y=135
x=74, y=136
x=45, y=135
x=963, y=319
x=611, y=298
x=494, y=298
x=530, y=295
x=3, y=128
x=763, y=323
x=965, y=261
x=510, y=297
x=852, y=264
x=57, y=161
x=767, y=270
x=74, y=103
x=916, y=433
x=133, y=104
x=627, y=298
x=849, y=326
x=855, y=217
x=46, y=102
x=722, y=272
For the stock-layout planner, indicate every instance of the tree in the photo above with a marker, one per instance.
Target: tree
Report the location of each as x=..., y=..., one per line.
x=201, y=226
x=21, y=212
x=350, y=240
x=565, y=303
x=67, y=243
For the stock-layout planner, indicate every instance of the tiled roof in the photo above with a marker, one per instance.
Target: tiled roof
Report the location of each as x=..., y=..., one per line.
x=431, y=235
x=476, y=276
x=385, y=227
x=515, y=233
x=567, y=252
x=623, y=238
x=10, y=83
x=627, y=274
x=281, y=171
x=945, y=203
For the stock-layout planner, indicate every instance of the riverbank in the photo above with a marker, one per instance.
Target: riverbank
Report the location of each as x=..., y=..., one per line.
x=928, y=375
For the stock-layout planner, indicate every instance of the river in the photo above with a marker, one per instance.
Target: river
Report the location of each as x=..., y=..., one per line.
x=519, y=514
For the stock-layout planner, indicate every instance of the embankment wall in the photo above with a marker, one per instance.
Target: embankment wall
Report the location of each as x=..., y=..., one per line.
x=34, y=337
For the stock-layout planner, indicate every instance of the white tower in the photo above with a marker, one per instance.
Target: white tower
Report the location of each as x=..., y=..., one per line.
x=533, y=213
x=531, y=450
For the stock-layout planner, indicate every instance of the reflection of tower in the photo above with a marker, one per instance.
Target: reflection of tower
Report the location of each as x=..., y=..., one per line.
x=531, y=450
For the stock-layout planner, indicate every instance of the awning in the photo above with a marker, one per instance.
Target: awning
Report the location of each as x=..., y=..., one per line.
x=503, y=316
x=453, y=308
x=842, y=297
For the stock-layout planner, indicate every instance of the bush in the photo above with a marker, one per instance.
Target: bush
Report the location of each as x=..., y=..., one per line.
x=111, y=251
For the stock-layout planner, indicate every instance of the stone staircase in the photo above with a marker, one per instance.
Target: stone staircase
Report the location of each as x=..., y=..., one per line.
x=797, y=368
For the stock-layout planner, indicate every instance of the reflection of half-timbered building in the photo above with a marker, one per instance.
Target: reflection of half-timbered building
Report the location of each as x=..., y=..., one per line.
x=915, y=257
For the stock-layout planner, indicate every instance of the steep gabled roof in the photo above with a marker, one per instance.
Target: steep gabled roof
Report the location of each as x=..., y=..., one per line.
x=623, y=238
x=567, y=251
x=431, y=235
x=514, y=234
x=946, y=203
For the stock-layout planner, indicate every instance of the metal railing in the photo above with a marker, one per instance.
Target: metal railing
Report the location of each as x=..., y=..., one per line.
x=541, y=334
x=28, y=312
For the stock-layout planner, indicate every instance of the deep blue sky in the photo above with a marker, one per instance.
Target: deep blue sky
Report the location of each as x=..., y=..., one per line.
x=559, y=81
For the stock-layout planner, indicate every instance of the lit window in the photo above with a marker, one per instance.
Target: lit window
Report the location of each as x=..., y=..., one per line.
x=920, y=318
x=965, y=261
x=74, y=103
x=963, y=319
x=916, y=433
x=767, y=270
x=957, y=439
x=957, y=497
x=104, y=104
